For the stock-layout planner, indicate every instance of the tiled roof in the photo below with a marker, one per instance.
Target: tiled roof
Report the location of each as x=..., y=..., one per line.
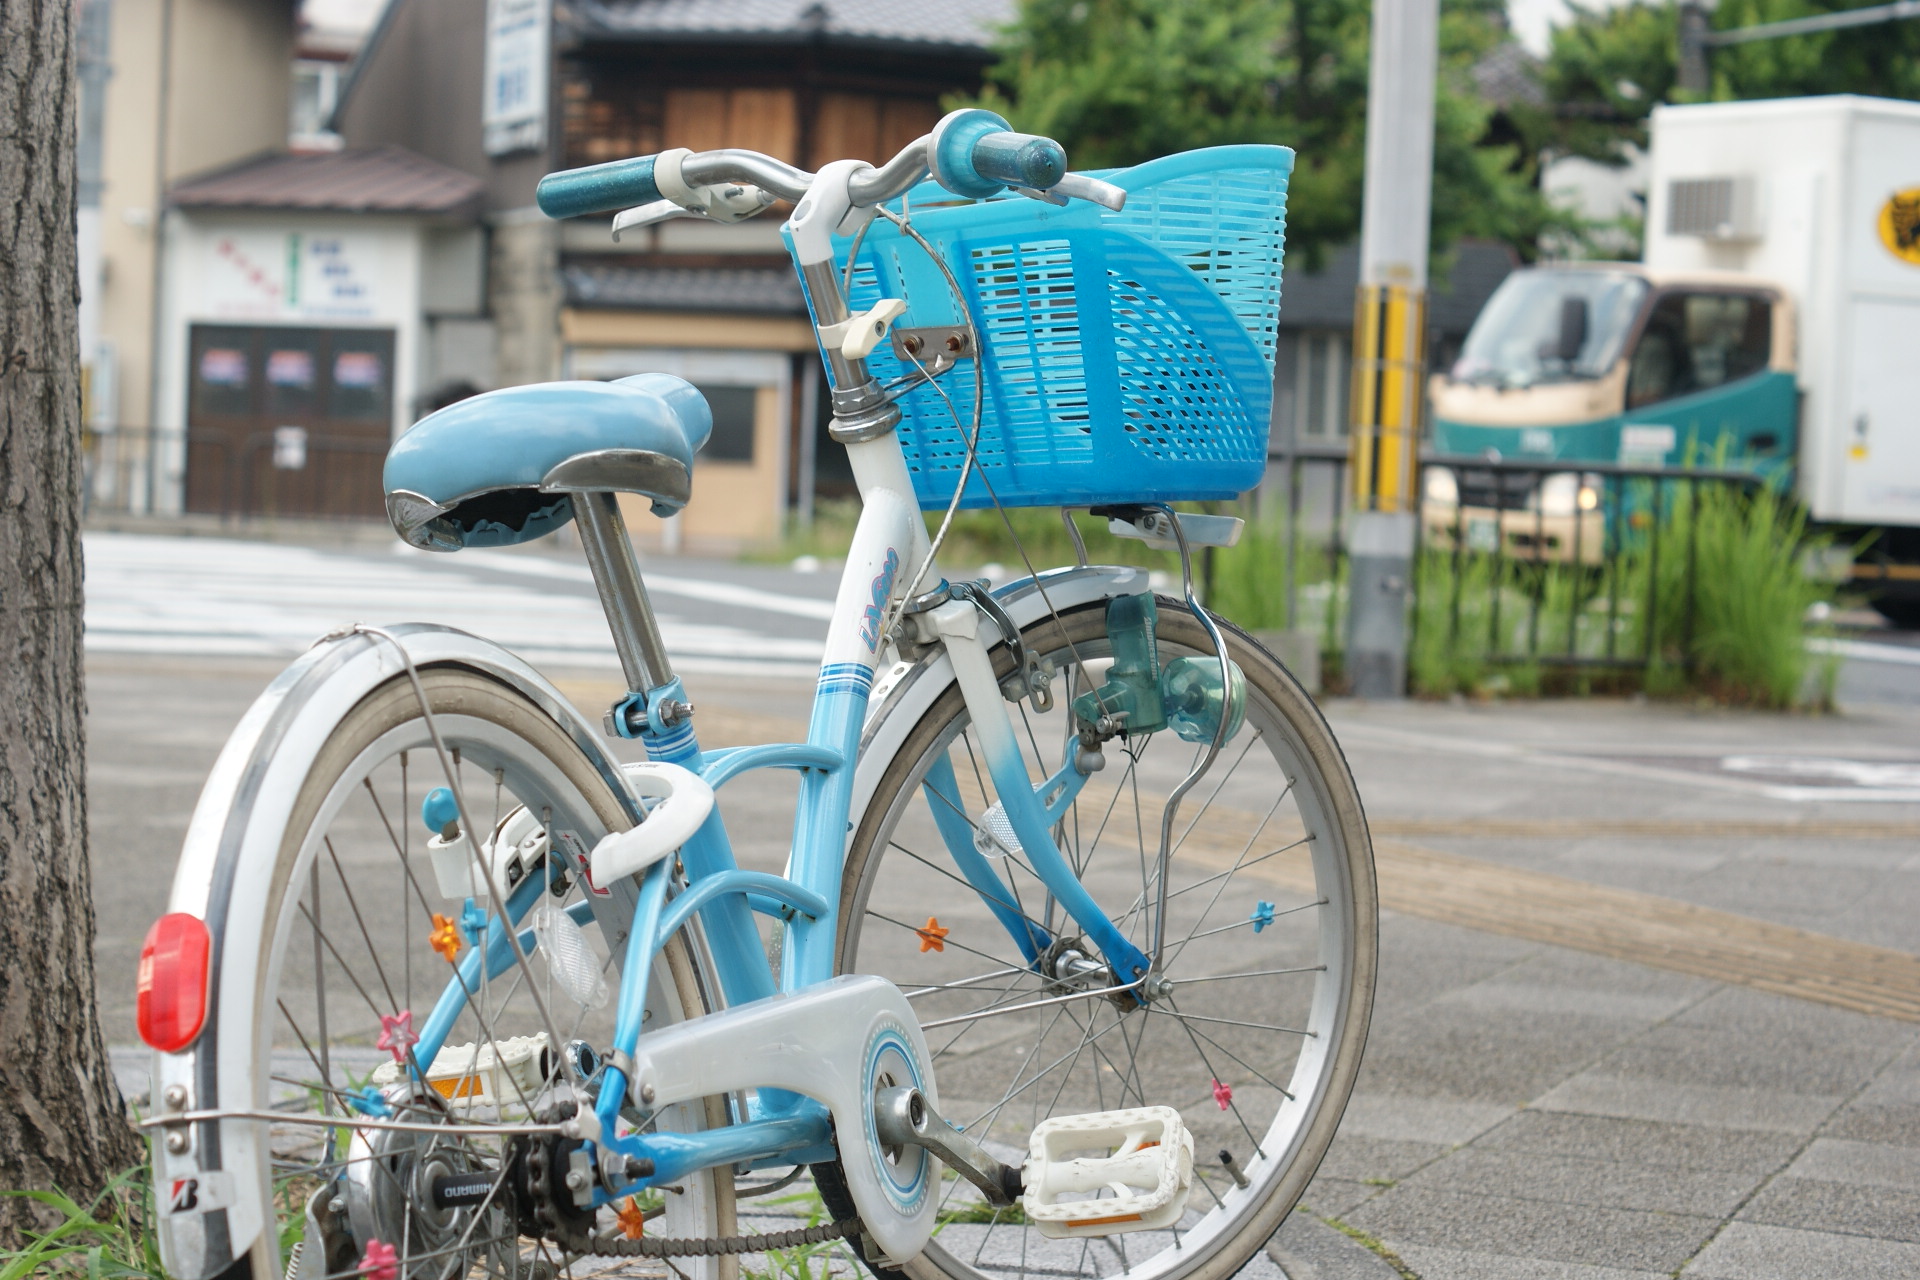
x=966, y=24
x=760, y=290
x=374, y=180
x=1509, y=75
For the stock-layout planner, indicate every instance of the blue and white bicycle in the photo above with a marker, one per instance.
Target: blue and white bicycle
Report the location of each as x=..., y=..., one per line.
x=1069, y=968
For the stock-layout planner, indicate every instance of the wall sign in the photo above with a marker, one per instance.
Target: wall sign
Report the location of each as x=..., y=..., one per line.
x=513, y=116
x=272, y=274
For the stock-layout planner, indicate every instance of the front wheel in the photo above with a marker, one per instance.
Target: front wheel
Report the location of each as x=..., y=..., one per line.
x=1270, y=950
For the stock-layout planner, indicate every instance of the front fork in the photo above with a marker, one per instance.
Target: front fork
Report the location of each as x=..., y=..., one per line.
x=1031, y=812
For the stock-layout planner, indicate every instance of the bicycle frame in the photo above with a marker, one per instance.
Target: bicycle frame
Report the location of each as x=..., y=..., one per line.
x=889, y=544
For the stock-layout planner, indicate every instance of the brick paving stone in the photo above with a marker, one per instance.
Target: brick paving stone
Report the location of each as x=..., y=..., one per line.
x=1747, y=1251
x=1559, y=1232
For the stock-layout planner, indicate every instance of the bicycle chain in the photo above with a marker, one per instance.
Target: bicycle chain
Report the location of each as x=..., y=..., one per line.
x=549, y=1217
x=613, y=1246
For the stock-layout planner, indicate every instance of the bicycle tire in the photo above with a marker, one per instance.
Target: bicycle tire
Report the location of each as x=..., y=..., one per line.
x=889, y=884
x=487, y=726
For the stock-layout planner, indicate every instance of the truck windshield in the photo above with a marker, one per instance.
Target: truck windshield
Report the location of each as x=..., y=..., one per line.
x=1550, y=326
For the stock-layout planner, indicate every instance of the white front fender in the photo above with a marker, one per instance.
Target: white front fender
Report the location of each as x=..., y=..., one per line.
x=902, y=696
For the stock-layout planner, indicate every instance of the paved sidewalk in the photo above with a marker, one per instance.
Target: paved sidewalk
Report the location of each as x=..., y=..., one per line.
x=1528, y=1111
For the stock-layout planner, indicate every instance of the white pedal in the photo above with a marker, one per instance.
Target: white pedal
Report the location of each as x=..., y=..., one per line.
x=1141, y=1159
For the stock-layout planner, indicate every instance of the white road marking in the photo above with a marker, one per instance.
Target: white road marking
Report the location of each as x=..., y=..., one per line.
x=1726, y=779
x=1868, y=651
x=660, y=584
x=224, y=598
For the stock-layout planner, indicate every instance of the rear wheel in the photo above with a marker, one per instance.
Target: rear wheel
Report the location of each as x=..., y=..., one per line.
x=1271, y=935
x=365, y=945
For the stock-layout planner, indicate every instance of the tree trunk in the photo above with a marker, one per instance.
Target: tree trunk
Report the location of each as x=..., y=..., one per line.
x=62, y=1123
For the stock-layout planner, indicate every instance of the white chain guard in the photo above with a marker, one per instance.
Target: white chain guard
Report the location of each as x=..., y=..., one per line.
x=836, y=1042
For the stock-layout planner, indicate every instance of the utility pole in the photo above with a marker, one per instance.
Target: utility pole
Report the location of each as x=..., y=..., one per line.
x=1693, y=72
x=1389, y=342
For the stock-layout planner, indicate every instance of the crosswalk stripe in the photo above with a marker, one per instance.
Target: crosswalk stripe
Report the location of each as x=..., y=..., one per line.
x=226, y=598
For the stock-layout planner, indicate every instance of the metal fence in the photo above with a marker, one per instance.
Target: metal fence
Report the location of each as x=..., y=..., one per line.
x=262, y=473
x=1518, y=561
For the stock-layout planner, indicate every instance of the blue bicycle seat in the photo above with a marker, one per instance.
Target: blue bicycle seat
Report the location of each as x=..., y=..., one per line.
x=499, y=468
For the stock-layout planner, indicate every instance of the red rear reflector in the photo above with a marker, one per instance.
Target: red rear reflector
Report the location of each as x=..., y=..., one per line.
x=170, y=1004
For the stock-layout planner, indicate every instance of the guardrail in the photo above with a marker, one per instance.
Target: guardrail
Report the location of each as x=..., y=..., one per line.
x=1606, y=527
x=1545, y=562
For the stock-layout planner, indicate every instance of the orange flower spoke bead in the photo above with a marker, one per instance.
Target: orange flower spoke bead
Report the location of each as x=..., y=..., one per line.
x=632, y=1219
x=445, y=937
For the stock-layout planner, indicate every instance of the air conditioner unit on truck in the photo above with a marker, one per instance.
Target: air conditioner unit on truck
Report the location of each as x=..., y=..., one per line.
x=1775, y=325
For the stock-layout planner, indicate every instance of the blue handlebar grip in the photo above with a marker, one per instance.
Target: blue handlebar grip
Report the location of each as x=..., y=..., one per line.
x=975, y=153
x=1020, y=160
x=599, y=188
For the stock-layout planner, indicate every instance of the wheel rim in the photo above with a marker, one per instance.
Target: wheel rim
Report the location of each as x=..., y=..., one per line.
x=358, y=908
x=1281, y=1037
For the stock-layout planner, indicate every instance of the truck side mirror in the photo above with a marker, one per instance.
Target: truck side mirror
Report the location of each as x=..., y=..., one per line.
x=1573, y=329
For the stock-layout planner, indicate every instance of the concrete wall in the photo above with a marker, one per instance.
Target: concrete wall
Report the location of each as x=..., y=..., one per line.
x=419, y=86
x=524, y=285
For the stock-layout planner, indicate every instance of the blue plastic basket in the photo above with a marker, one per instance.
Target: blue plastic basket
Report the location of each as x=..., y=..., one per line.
x=1128, y=356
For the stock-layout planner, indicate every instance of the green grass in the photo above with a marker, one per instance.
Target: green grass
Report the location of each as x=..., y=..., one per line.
x=1477, y=619
x=107, y=1238
x=1751, y=596
x=807, y=1261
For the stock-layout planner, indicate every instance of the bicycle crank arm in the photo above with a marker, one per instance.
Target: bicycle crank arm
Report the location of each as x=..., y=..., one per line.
x=903, y=1117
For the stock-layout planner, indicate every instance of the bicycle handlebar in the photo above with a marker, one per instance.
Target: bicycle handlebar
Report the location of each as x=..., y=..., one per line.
x=971, y=153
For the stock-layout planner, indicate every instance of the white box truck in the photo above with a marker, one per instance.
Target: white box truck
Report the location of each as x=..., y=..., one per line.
x=1774, y=324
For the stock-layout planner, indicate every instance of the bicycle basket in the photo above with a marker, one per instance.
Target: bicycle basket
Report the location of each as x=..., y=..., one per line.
x=1128, y=357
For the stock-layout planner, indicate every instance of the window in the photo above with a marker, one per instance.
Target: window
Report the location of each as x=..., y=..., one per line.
x=1698, y=341
x=733, y=413
x=1550, y=325
x=361, y=381
x=291, y=373
x=222, y=373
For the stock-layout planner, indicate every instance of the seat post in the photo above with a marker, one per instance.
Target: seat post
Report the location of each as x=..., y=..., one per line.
x=623, y=595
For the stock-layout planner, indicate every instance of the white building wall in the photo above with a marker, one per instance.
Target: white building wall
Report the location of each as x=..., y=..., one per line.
x=286, y=269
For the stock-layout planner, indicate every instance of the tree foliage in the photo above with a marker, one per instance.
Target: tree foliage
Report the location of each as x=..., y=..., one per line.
x=1121, y=81
x=1608, y=67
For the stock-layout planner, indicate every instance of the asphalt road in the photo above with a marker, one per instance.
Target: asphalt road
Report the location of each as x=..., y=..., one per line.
x=1536, y=1102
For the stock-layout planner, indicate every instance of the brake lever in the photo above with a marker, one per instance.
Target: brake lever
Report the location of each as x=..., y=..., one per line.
x=644, y=215
x=1078, y=186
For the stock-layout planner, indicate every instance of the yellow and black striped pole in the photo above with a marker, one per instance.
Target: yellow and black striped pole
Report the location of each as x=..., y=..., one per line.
x=1389, y=368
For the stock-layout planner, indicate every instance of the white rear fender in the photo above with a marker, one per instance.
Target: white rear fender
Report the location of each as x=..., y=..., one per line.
x=224, y=878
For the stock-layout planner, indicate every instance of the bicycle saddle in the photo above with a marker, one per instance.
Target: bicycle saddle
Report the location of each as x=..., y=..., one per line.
x=498, y=468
